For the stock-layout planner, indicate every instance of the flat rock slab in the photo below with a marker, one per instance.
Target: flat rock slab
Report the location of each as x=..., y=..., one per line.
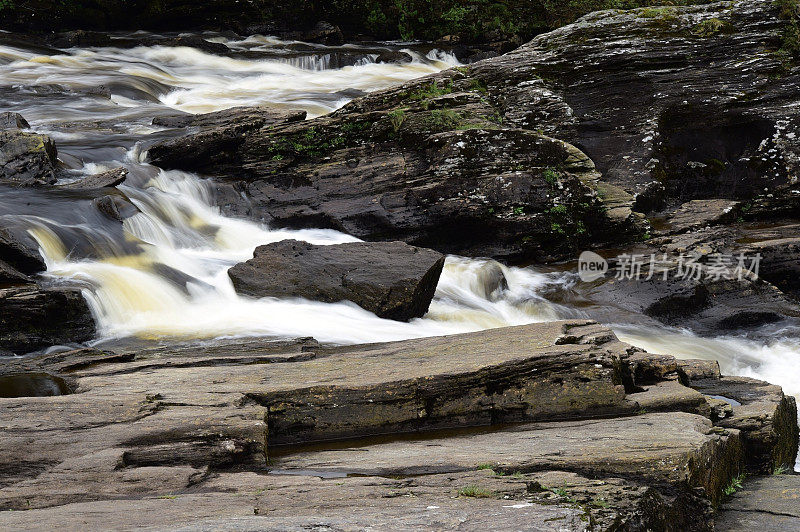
x=699, y=213
x=155, y=410
x=665, y=447
x=391, y=279
x=767, y=503
x=258, y=116
x=249, y=501
x=110, y=178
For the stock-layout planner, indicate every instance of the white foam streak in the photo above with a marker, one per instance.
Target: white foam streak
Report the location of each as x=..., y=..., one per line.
x=195, y=81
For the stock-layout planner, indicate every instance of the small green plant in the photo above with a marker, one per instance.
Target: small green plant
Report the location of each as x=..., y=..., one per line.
x=551, y=176
x=789, y=8
x=558, y=209
x=563, y=493
x=397, y=118
x=444, y=119
x=477, y=85
x=518, y=211
x=432, y=90
x=657, y=12
x=735, y=485
x=780, y=470
x=168, y=497
x=7, y=5
x=600, y=502
x=482, y=467
x=790, y=47
x=711, y=27
x=476, y=491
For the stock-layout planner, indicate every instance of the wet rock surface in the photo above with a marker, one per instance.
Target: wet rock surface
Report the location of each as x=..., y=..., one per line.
x=26, y=159
x=32, y=318
x=138, y=434
x=391, y=279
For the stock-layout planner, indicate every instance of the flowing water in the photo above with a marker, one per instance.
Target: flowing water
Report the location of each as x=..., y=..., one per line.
x=162, y=275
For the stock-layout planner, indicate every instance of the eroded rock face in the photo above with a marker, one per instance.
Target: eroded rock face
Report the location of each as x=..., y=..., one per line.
x=13, y=121
x=26, y=159
x=659, y=100
x=764, y=415
x=391, y=279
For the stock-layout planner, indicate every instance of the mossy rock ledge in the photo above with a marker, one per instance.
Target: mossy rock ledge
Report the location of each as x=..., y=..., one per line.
x=562, y=144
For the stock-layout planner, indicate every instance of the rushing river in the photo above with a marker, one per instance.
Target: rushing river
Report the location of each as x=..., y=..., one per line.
x=163, y=274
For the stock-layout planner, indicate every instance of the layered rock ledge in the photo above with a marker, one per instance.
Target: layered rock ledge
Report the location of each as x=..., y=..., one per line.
x=510, y=423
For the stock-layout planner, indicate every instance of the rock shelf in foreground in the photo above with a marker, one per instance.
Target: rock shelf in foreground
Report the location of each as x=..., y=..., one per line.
x=200, y=435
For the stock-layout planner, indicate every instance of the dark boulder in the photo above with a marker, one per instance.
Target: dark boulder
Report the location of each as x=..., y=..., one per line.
x=27, y=159
x=391, y=279
x=82, y=38
x=32, y=318
x=197, y=42
x=20, y=251
x=441, y=172
x=215, y=143
x=11, y=276
x=322, y=33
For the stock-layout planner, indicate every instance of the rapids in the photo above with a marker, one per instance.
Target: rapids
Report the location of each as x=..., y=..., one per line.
x=162, y=276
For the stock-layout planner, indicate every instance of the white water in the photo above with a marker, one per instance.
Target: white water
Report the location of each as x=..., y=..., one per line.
x=180, y=227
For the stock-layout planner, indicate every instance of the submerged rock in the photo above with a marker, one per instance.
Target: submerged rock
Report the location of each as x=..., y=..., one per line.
x=32, y=318
x=391, y=279
x=27, y=159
